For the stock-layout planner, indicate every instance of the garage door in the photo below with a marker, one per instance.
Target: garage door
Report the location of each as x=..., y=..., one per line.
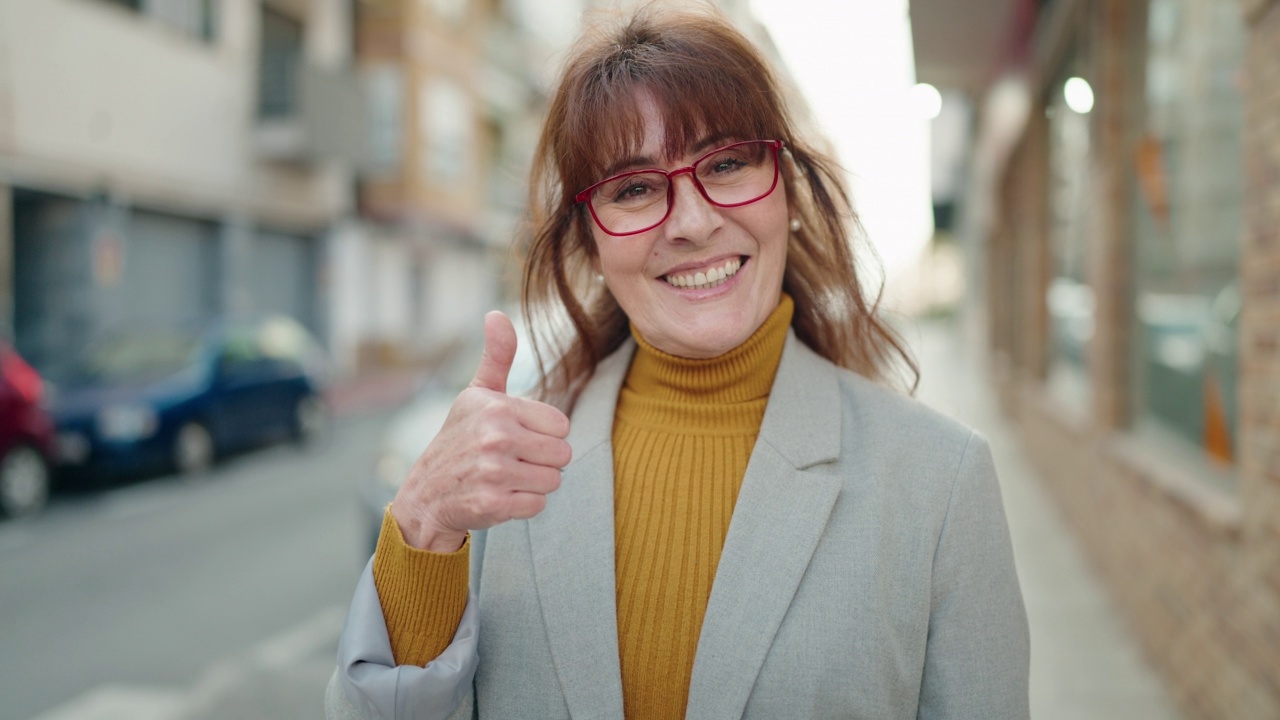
x=171, y=269
x=284, y=276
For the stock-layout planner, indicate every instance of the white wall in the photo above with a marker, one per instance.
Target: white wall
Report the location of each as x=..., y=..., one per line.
x=389, y=283
x=97, y=89
x=373, y=299
x=461, y=290
x=349, y=298
x=96, y=97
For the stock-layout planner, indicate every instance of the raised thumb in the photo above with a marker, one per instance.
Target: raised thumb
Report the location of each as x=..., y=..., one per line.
x=499, y=352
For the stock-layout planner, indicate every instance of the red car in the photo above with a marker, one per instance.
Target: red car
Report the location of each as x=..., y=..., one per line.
x=26, y=437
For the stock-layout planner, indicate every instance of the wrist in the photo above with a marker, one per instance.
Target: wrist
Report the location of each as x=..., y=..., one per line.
x=420, y=532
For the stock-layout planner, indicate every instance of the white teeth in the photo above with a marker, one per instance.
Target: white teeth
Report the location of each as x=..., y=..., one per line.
x=707, y=278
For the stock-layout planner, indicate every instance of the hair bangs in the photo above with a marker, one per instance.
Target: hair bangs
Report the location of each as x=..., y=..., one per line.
x=701, y=96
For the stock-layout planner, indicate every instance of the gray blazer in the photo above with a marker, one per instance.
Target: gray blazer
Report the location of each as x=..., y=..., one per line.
x=867, y=573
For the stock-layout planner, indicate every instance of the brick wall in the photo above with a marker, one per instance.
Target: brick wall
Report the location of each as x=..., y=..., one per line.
x=1111, y=25
x=1259, y=566
x=1195, y=570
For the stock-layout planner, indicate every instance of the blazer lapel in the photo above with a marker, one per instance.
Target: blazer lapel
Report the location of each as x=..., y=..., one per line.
x=573, y=555
x=780, y=515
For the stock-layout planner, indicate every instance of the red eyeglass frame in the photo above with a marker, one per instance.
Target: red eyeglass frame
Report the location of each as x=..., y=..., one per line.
x=585, y=195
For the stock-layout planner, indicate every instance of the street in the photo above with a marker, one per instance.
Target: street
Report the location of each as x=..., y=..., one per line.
x=223, y=597
x=218, y=597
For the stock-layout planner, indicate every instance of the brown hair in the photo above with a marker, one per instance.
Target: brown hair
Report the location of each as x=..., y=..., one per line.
x=703, y=75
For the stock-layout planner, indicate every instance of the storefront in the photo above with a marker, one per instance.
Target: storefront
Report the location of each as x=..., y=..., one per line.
x=1133, y=278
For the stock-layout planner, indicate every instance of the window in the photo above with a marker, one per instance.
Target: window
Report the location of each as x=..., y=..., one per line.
x=446, y=126
x=240, y=349
x=1187, y=221
x=194, y=18
x=385, y=89
x=280, y=65
x=1070, y=298
x=453, y=12
x=129, y=4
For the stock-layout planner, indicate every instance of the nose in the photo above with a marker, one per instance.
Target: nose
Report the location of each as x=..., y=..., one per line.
x=692, y=218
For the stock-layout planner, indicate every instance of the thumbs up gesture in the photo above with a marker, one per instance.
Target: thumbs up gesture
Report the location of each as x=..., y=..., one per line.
x=495, y=459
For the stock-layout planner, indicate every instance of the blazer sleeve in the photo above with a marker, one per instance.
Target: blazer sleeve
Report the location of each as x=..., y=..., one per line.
x=978, y=650
x=368, y=684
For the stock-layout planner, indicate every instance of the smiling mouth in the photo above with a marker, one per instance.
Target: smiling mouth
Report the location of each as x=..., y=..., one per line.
x=713, y=277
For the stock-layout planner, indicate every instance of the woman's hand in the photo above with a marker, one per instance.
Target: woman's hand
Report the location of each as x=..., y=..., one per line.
x=496, y=458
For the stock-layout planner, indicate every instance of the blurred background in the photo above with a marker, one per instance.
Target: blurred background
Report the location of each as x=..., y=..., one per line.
x=245, y=247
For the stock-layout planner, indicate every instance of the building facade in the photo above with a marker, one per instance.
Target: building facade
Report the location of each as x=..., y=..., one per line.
x=357, y=164
x=161, y=160
x=1132, y=279
x=456, y=100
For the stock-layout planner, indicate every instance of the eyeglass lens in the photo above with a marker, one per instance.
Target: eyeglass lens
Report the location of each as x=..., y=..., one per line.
x=734, y=175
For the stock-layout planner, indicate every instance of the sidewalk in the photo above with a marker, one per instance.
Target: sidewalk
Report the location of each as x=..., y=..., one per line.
x=1084, y=662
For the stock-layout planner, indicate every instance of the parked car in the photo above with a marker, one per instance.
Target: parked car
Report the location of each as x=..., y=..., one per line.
x=168, y=397
x=412, y=428
x=26, y=436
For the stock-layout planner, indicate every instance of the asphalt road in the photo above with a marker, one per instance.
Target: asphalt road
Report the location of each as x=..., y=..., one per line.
x=179, y=600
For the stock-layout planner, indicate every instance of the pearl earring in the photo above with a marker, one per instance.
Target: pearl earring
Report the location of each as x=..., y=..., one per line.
x=795, y=224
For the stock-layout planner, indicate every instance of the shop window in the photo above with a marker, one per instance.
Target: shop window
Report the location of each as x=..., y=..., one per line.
x=1070, y=298
x=1188, y=178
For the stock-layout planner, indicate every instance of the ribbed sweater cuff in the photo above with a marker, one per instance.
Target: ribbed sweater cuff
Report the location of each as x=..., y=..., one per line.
x=422, y=593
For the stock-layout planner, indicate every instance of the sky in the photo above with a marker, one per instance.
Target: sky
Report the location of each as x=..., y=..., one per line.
x=853, y=61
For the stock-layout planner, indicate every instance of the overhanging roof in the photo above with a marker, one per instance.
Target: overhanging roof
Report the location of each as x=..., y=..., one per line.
x=961, y=44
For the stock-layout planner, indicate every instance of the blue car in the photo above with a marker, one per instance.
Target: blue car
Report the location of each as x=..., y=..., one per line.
x=148, y=399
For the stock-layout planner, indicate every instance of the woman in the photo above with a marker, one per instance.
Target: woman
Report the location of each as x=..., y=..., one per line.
x=716, y=510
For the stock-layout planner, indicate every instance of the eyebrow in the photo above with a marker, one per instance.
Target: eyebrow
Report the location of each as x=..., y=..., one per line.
x=645, y=162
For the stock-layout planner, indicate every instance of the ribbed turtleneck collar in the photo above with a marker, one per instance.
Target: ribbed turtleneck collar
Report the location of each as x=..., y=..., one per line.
x=743, y=374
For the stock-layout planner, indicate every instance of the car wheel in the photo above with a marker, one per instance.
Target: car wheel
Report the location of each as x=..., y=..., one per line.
x=24, y=482
x=192, y=449
x=310, y=420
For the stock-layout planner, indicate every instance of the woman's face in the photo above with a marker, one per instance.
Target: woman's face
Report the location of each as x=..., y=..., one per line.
x=646, y=271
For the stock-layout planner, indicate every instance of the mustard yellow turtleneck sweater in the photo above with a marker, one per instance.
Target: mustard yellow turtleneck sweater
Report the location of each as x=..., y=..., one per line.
x=683, y=432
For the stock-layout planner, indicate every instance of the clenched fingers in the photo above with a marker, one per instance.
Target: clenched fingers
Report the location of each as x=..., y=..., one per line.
x=539, y=449
x=541, y=417
x=508, y=440
x=538, y=479
x=524, y=505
